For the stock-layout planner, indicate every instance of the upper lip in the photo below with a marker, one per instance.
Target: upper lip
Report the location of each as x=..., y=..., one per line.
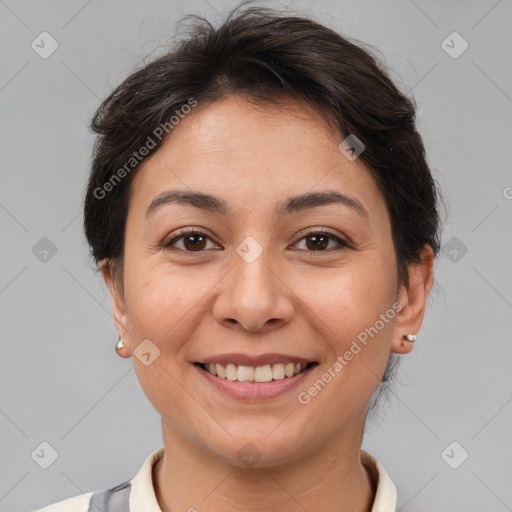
x=259, y=360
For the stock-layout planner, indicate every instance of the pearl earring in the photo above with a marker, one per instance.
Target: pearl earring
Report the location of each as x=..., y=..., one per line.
x=120, y=345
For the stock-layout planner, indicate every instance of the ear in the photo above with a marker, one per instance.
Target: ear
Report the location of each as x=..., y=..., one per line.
x=413, y=300
x=118, y=304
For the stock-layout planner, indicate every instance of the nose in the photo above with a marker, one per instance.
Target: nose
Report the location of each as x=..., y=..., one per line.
x=254, y=296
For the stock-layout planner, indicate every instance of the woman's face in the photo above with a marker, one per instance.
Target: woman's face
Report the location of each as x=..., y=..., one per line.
x=251, y=289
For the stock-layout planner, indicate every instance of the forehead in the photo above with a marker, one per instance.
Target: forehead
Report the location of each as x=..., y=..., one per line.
x=240, y=151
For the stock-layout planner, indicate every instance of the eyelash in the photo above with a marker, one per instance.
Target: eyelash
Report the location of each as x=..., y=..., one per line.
x=341, y=243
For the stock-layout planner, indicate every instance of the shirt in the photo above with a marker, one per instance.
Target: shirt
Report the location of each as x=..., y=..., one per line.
x=140, y=493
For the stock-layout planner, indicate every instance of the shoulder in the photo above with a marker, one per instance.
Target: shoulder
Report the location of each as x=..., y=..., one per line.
x=75, y=504
x=138, y=491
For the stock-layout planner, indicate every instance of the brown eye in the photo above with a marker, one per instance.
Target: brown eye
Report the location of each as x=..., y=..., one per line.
x=319, y=241
x=196, y=241
x=192, y=241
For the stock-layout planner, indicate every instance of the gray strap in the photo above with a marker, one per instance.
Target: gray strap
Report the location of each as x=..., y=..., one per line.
x=115, y=499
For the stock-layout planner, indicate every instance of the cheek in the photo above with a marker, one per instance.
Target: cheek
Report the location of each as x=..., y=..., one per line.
x=160, y=306
x=163, y=304
x=353, y=310
x=349, y=299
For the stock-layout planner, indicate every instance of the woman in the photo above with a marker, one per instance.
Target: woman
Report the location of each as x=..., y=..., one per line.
x=261, y=210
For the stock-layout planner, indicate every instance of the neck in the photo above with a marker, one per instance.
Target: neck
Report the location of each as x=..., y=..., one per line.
x=189, y=478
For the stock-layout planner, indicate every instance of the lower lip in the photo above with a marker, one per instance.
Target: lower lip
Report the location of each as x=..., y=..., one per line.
x=255, y=391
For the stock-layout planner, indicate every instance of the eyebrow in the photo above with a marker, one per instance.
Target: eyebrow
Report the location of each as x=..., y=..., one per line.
x=291, y=205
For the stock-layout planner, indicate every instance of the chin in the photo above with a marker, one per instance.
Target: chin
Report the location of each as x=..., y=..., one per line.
x=258, y=451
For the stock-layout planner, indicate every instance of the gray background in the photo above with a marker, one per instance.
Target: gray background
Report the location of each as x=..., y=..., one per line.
x=61, y=381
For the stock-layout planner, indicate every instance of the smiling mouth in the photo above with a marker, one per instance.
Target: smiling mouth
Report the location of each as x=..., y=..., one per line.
x=255, y=374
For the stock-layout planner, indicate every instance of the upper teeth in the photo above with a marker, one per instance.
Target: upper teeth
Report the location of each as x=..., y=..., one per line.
x=255, y=374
